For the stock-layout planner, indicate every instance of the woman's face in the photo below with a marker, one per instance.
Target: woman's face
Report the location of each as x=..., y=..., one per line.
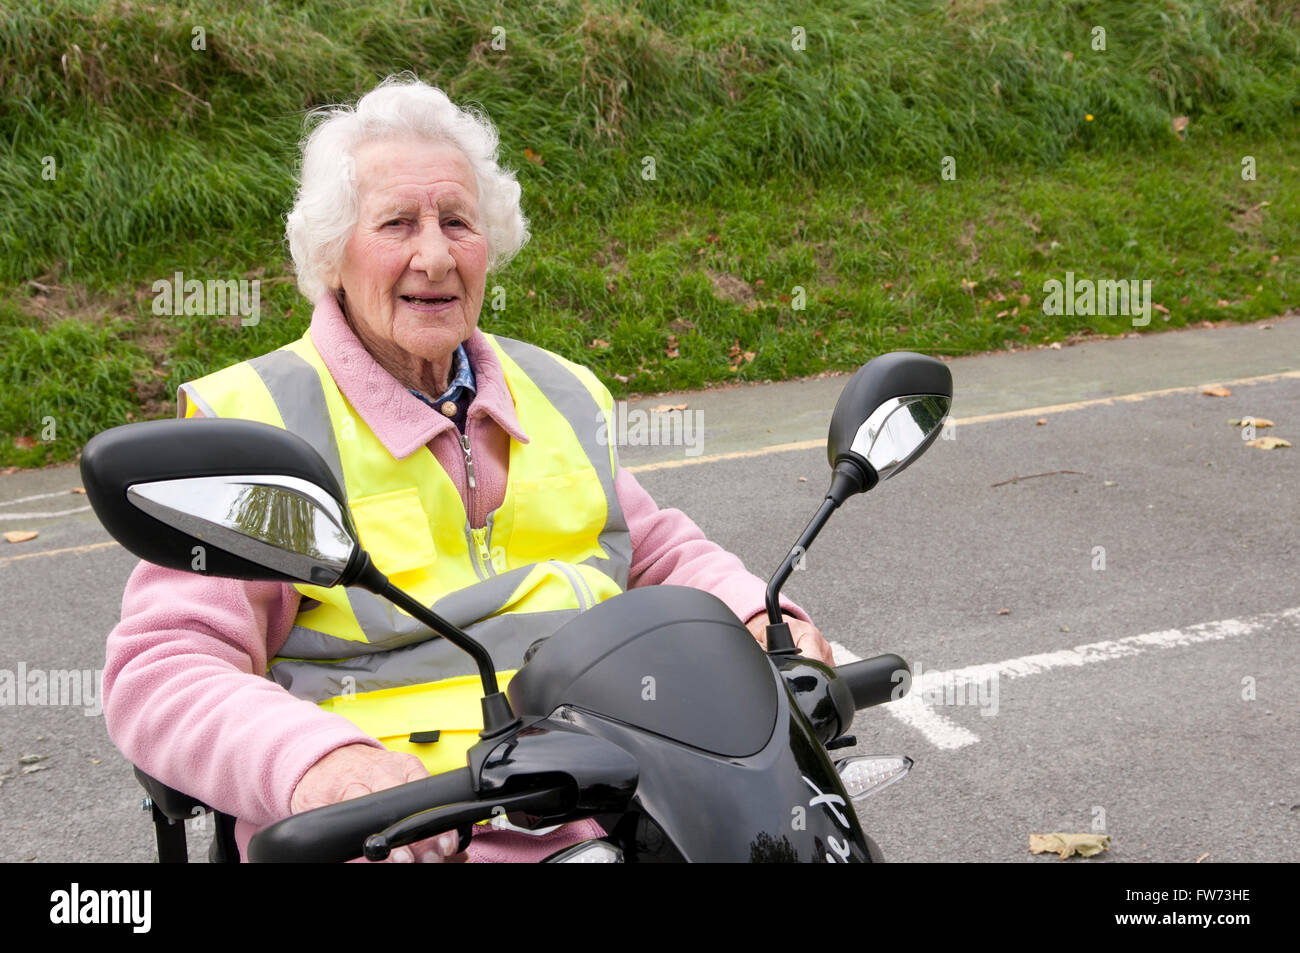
x=418, y=238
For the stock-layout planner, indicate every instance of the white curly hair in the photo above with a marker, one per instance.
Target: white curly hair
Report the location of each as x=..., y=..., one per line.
x=325, y=209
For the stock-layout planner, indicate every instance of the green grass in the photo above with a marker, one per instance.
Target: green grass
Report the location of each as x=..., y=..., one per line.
x=817, y=168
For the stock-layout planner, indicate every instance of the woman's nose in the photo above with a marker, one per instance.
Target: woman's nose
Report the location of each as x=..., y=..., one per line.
x=433, y=255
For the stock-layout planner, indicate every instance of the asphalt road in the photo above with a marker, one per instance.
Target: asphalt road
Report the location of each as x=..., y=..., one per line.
x=1155, y=699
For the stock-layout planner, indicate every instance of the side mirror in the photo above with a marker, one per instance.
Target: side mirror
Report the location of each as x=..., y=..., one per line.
x=890, y=411
x=245, y=500
x=222, y=497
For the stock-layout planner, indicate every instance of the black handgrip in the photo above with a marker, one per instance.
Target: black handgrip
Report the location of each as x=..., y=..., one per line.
x=876, y=680
x=336, y=833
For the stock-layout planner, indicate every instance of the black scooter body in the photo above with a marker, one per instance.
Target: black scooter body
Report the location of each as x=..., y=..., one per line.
x=669, y=675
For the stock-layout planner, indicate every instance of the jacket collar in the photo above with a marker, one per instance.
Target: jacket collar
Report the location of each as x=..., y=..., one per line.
x=402, y=422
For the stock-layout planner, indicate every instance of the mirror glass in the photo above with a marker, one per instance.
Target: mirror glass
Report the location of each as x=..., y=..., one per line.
x=898, y=430
x=280, y=522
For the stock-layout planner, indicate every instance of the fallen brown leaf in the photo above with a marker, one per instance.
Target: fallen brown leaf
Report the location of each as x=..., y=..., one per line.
x=1257, y=422
x=20, y=536
x=1004, y=612
x=1040, y=421
x=1216, y=390
x=1267, y=443
x=79, y=489
x=597, y=343
x=1067, y=845
x=665, y=408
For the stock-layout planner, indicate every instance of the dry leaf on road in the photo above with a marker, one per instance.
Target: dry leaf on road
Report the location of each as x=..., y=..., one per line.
x=20, y=536
x=1067, y=845
x=1258, y=422
x=1040, y=421
x=1216, y=390
x=665, y=408
x=1267, y=443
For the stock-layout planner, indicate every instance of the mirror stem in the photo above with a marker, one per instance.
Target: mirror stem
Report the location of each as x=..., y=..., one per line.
x=778, y=632
x=372, y=579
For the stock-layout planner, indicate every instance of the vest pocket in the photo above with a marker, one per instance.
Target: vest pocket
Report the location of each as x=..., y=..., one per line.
x=394, y=530
x=558, y=517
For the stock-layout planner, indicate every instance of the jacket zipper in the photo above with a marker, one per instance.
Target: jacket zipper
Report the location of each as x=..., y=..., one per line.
x=484, y=553
x=469, y=459
x=478, y=537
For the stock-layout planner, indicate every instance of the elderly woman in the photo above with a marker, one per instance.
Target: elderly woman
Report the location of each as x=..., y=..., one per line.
x=473, y=466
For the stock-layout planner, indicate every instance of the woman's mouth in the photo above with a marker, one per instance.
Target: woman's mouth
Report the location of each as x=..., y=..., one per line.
x=429, y=304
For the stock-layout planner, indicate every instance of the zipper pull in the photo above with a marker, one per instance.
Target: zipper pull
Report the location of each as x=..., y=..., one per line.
x=469, y=460
x=480, y=537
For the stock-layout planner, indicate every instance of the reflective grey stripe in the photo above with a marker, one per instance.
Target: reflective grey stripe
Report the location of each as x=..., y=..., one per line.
x=571, y=398
x=578, y=589
x=428, y=661
x=193, y=397
x=387, y=628
x=299, y=396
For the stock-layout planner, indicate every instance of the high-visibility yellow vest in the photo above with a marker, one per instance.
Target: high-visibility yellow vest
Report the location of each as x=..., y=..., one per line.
x=557, y=545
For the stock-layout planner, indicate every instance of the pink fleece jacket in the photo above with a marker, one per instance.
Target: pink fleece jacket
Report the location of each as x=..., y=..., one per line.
x=185, y=694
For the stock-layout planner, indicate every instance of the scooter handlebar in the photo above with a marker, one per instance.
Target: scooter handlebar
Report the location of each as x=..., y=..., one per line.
x=337, y=832
x=874, y=681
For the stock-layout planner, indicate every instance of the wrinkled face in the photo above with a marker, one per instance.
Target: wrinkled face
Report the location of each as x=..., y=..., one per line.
x=415, y=265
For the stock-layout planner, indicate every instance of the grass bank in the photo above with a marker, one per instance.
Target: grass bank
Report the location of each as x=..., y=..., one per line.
x=801, y=217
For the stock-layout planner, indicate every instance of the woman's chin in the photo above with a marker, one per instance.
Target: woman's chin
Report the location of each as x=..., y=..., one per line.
x=433, y=340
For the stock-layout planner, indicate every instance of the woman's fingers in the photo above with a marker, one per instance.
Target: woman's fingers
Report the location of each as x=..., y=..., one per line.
x=357, y=770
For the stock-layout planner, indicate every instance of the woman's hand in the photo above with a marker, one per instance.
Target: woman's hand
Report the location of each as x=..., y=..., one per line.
x=357, y=770
x=807, y=637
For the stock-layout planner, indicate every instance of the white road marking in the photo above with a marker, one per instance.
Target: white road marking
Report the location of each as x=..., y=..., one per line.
x=913, y=710
x=42, y=516
x=39, y=516
x=38, y=496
